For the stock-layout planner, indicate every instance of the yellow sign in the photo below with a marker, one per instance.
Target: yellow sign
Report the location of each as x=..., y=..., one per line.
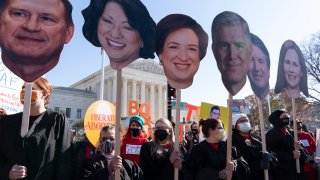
x=216, y=111
x=98, y=115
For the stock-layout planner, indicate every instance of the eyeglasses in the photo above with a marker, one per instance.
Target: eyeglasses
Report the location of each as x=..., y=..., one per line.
x=161, y=127
x=107, y=138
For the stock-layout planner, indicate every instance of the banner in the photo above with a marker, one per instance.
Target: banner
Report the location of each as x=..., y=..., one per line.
x=10, y=87
x=215, y=111
x=240, y=106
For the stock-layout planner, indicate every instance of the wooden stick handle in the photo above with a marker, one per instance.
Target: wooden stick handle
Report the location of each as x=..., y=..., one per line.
x=177, y=129
x=229, y=137
x=295, y=129
x=26, y=109
x=118, y=119
x=263, y=137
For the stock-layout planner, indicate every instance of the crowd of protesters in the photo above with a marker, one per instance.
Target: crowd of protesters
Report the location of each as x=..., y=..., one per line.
x=47, y=152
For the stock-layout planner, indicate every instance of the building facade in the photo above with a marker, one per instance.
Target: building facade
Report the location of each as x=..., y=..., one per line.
x=143, y=81
x=72, y=102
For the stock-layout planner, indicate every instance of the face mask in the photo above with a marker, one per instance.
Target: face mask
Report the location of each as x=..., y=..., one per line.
x=135, y=132
x=34, y=96
x=161, y=134
x=244, y=127
x=220, y=134
x=285, y=121
x=107, y=146
x=194, y=131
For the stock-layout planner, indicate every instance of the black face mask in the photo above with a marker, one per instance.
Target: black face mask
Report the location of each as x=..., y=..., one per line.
x=107, y=146
x=161, y=134
x=135, y=132
x=194, y=131
x=285, y=121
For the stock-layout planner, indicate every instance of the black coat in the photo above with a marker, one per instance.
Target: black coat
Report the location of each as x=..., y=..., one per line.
x=97, y=169
x=46, y=150
x=252, y=153
x=283, y=145
x=155, y=163
x=206, y=163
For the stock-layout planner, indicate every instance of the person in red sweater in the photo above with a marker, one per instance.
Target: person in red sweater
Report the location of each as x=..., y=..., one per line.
x=131, y=144
x=310, y=168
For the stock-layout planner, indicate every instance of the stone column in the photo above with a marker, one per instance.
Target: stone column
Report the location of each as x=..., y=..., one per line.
x=160, y=94
x=165, y=102
x=124, y=97
x=143, y=92
x=134, y=90
x=152, y=104
x=108, y=90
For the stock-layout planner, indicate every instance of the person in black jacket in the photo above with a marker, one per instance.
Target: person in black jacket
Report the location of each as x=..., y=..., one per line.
x=156, y=156
x=250, y=146
x=45, y=152
x=280, y=141
x=208, y=159
x=103, y=165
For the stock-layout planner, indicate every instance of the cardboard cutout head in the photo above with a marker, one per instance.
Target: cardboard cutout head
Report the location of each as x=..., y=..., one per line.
x=231, y=46
x=292, y=71
x=181, y=44
x=123, y=28
x=259, y=68
x=32, y=35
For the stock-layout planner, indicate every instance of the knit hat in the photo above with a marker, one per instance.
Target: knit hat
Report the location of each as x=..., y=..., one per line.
x=275, y=116
x=138, y=119
x=236, y=117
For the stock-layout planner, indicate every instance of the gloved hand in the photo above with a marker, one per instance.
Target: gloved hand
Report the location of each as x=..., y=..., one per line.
x=265, y=161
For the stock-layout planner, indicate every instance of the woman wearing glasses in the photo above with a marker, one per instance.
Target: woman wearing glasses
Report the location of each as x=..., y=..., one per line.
x=156, y=156
x=46, y=151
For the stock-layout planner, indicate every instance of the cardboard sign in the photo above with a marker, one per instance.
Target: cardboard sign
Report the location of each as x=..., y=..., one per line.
x=215, y=111
x=10, y=86
x=98, y=115
x=133, y=149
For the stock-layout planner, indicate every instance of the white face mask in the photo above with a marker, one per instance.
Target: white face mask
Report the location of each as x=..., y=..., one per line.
x=244, y=127
x=220, y=134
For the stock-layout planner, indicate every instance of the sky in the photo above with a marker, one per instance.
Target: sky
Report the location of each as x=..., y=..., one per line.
x=273, y=21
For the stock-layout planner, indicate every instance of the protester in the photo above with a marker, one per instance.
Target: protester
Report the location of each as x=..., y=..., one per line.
x=231, y=46
x=155, y=156
x=292, y=71
x=103, y=165
x=46, y=151
x=310, y=168
x=123, y=28
x=208, y=159
x=181, y=44
x=193, y=137
x=249, y=144
x=133, y=140
x=84, y=150
x=280, y=141
x=31, y=42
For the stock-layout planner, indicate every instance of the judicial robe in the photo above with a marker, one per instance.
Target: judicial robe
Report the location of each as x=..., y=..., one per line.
x=46, y=150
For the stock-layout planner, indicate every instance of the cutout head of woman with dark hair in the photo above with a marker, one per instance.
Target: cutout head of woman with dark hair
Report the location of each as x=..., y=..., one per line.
x=33, y=34
x=231, y=47
x=123, y=28
x=259, y=68
x=181, y=44
x=292, y=71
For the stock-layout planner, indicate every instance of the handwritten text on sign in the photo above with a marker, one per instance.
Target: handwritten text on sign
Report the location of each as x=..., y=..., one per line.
x=10, y=87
